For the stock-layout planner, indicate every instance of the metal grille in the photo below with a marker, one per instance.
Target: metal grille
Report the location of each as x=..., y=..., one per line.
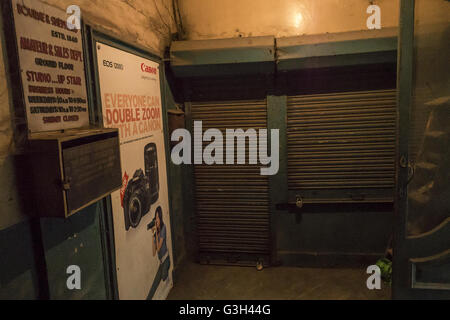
x=342, y=140
x=232, y=201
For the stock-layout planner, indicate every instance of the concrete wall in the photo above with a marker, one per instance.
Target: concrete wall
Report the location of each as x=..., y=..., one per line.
x=11, y=212
x=232, y=18
x=142, y=22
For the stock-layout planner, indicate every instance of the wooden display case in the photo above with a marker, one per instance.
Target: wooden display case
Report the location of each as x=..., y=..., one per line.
x=70, y=170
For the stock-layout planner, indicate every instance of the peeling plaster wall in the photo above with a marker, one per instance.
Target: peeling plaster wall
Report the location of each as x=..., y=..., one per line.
x=10, y=212
x=5, y=117
x=233, y=18
x=143, y=22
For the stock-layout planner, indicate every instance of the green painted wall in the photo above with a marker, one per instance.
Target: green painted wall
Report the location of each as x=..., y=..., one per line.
x=75, y=241
x=176, y=193
x=330, y=239
x=181, y=199
x=18, y=276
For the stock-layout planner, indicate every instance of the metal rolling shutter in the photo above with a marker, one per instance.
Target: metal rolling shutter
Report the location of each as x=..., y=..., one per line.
x=232, y=201
x=341, y=141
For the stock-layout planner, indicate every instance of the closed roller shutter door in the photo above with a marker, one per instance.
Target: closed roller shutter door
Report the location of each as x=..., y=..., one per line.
x=343, y=142
x=232, y=201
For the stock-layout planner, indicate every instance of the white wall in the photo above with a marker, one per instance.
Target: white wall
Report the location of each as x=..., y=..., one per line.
x=212, y=19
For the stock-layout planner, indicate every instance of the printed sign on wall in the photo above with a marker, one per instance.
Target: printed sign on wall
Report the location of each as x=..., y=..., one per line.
x=51, y=66
x=131, y=102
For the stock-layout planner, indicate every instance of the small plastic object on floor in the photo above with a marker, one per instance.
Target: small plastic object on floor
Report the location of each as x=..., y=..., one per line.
x=385, y=266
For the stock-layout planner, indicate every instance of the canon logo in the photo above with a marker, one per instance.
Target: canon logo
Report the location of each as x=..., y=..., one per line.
x=148, y=69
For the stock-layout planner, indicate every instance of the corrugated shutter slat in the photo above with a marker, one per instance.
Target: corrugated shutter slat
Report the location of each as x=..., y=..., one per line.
x=342, y=140
x=232, y=201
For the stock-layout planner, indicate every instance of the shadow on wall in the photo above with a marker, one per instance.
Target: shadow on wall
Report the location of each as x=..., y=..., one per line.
x=18, y=273
x=75, y=241
x=18, y=276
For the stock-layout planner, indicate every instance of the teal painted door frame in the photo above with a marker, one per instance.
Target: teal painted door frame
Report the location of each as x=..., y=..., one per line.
x=432, y=246
x=278, y=187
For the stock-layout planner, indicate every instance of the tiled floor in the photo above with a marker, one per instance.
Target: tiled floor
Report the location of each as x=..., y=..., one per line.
x=199, y=282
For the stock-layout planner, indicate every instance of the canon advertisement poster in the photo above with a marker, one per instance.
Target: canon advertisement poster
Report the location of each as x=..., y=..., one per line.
x=131, y=102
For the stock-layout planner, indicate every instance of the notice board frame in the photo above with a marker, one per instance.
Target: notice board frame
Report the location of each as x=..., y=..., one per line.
x=12, y=63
